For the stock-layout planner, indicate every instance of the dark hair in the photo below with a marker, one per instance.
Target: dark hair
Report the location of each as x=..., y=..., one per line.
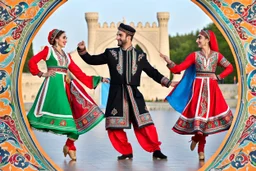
x=129, y=35
x=58, y=35
x=131, y=38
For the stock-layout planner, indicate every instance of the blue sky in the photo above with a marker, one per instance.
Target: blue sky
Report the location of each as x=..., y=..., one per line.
x=185, y=16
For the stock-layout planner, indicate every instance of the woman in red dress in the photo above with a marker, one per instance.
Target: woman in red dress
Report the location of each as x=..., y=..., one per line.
x=205, y=111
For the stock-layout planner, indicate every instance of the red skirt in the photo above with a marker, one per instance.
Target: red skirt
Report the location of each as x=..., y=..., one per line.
x=206, y=112
x=85, y=111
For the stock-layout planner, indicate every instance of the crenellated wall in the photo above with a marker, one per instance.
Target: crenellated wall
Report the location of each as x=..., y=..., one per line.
x=152, y=38
x=19, y=148
x=113, y=25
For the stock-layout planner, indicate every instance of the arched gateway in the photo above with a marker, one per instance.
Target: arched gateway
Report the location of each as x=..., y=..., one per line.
x=151, y=38
x=19, y=147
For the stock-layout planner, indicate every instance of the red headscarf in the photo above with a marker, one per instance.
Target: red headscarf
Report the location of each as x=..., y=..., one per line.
x=52, y=35
x=211, y=36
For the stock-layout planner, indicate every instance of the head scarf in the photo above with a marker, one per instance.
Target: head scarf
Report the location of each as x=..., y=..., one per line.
x=213, y=43
x=52, y=35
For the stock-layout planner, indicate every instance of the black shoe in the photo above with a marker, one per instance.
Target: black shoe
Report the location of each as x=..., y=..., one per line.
x=125, y=156
x=159, y=155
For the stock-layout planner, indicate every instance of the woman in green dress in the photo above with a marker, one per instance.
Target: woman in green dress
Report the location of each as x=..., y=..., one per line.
x=62, y=106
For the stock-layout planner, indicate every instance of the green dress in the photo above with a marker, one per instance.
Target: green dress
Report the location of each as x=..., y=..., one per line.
x=52, y=108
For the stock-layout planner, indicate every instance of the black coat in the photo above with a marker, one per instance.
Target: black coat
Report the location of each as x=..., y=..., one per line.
x=125, y=102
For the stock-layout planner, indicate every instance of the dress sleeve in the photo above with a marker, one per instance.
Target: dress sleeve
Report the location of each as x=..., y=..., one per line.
x=94, y=59
x=182, y=66
x=32, y=63
x=89, y=81
x=222, y=61
x=154, y=73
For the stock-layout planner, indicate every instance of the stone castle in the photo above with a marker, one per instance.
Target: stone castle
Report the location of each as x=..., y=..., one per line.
x=151, y=38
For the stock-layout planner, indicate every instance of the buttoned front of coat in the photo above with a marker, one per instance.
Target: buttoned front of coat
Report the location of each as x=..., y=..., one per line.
x=125, y=102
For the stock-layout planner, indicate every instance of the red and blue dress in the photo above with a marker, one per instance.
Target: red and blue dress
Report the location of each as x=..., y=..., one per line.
x=198, y=97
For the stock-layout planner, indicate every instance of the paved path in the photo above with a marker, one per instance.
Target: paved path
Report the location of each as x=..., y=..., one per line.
x=95, y=152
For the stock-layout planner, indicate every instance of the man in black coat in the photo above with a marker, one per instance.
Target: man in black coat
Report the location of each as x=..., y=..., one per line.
x=126, y=104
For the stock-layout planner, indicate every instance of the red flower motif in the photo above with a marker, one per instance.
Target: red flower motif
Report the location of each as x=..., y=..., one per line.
x=84, y=121
x=27, y=156
x=63, y=123
x=52, y=122
x=231, y=157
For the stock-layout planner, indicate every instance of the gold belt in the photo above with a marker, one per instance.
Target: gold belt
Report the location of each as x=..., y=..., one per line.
x=62, y=70
x=211, y=75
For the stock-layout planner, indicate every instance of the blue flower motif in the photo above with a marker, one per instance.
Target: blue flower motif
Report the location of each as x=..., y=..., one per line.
x=4, y=157
x=240, y=160
x=19, y=161
x=252, y=155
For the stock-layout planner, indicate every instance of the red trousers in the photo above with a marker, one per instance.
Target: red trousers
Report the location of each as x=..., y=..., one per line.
x=201, y=139
x=147, y=137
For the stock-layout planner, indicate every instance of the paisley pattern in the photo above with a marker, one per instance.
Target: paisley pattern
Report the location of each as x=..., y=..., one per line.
x=20, y=18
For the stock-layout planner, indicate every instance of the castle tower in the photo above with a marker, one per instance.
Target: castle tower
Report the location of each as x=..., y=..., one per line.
x=152, y=38
x=163, y=18
x=92, y=23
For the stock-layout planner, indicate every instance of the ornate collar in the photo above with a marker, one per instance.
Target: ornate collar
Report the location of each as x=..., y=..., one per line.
x=128, y=49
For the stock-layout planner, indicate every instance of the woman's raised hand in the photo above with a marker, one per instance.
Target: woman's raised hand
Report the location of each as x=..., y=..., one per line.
x=166, y=58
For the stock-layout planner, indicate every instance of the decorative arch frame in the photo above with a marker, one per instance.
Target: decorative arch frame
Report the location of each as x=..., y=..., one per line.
x=18, y=30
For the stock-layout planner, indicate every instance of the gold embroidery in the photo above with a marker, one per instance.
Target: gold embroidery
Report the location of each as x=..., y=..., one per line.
x=206, y=65
x=120, y=122
x=62, y=58
x=119, y=66
x=134, y=63
x=142, y=118
x=204, y=100
x=114, y=53
x=224, y=62
x=85, y=104
x=140, y=56
x=114, y=111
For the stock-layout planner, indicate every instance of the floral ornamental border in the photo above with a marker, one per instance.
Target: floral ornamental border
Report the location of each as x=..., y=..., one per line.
x=236, y=21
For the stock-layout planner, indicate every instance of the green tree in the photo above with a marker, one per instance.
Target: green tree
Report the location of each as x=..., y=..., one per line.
x=138, y=47
x=29, y=55
x=182, y=45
